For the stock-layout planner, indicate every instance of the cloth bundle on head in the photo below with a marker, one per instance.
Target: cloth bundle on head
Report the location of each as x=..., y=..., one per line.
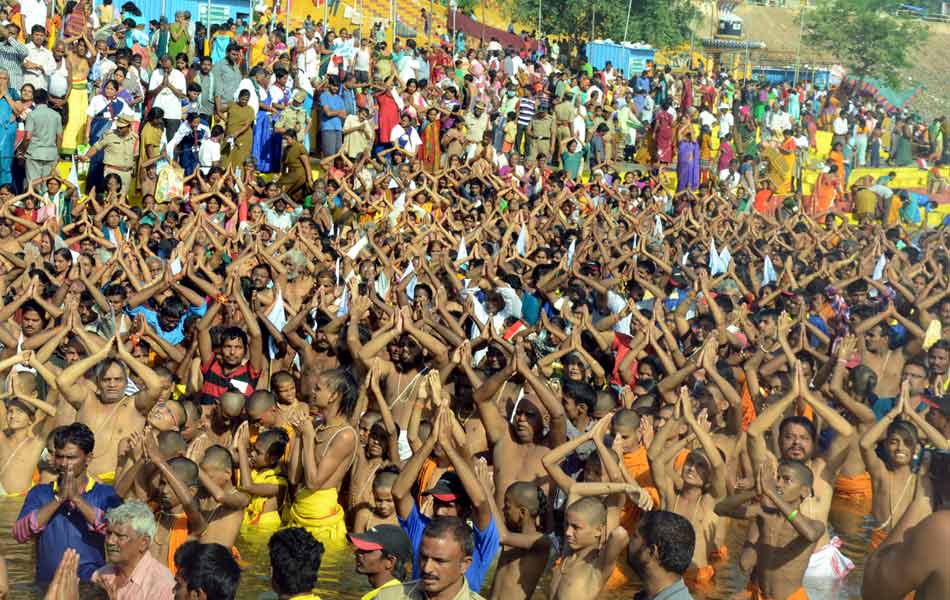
x=718, y=261
x=522, y=243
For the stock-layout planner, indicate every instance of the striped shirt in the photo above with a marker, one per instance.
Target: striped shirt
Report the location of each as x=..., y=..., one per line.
x=526, y=108
x=12, y=54
x=217, y=382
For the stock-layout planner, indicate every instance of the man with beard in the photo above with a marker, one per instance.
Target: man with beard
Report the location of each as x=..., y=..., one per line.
x=204, y=78
x=316, y=356
x=660, y=551
x=132, y=571
x=67, y=513
x=445, y=554
x=227, y=77
x=111, y=412
x=797, y=441
x=382, y=553
x=405, y=370
x=536, y=425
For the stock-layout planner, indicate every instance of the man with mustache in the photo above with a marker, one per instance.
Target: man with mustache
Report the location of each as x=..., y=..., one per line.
x=132, y=572
x=69, y=512
x=445, y=553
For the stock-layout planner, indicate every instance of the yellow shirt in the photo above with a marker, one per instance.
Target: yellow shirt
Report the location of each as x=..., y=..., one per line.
x=372, y=595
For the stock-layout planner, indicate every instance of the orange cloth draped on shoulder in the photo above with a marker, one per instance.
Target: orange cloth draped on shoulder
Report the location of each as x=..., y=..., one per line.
x=757, y=594
x=877, y=538
x=680, y=459
x=177, y=536
x=748, y=407
x=854, y=488
x=638, y=466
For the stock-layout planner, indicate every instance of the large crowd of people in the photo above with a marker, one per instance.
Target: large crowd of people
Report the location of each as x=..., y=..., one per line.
x=459, y=311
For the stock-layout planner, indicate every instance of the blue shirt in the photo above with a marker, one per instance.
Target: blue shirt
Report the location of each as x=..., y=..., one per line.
x=176, y=335
x=882, y=406
x=486, y=547
x=333, y=102
x=66, y=529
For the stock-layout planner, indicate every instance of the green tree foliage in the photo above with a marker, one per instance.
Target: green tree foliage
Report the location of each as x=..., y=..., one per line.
x=658, y=22
x=865, y=36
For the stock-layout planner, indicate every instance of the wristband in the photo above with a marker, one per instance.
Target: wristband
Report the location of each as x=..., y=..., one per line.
x=791, y=516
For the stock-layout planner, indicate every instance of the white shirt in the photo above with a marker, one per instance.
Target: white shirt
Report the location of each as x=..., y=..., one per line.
x=34, y=13
x=706, y=119
x=407, y=68
x=98, y=104
x=166, y=99
x=726, y=121
x=183, y=130
x=59, y=80
x=258, y=94
x=208, y=153
x=361, y=62
x=43, y=57
x=840, y=126
x=407, y=140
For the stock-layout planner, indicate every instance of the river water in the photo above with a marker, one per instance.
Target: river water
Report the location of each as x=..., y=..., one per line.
x=338, y=581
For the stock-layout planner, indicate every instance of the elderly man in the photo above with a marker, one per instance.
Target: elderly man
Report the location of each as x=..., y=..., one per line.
x=445, y=553
x=69, y=512
x=132, y=572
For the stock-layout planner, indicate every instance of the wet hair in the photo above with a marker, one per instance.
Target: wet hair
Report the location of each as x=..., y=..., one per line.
x=342, y=382
x=455, y=528
x=385, y=477
x=673, y=537
x=275, y=441
x=170, y=444
x=295, y=557
x=76, y=433
x=801, y=422
x=210, y=568
x=905, y=429
x=529, y=496
x=582, y=393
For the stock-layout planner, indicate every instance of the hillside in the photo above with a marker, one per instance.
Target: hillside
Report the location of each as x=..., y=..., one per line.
x=930, y=68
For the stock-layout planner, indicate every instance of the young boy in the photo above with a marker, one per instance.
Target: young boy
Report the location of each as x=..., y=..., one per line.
x=179, y=516
x=786, y=538
x=383, y=509
x=524, y=547
x=894, y=479
x=209, y=152
x=262, y=478
x=222, y=504
x=594, y=540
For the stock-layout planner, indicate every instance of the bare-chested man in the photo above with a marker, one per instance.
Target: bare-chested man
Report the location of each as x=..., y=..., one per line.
x=538, y=424
x=111, y=413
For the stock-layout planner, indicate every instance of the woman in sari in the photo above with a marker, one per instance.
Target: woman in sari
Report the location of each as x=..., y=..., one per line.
x=663, y=134
x=9, y=106
x=262, y=103
x=281, y=92
x=77, y=96
x=103, y=111
x=687, y=164
x=239, y=129
x=430, y=152
x=827, y=190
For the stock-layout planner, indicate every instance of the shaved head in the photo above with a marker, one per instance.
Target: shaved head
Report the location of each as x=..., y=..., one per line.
x=218, y=456
x=231, y=403
x=171, y=444
x=185, y=470
x=800, y=469
x=527, y=495
x=591, y=509
x=626, y=418
x=259, y=402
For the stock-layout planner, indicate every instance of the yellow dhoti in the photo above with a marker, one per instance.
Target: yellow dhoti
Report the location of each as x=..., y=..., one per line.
x=77, y=104
x=320, y=513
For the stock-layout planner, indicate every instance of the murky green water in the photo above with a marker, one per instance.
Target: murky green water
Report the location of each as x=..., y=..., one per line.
x=338, y=581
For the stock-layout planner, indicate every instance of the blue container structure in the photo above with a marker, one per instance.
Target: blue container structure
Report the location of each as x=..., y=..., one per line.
x=630, y=58
x=779, y=75
x=221, y=10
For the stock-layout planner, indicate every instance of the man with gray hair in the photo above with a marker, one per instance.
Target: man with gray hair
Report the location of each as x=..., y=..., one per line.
x=132, y=572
